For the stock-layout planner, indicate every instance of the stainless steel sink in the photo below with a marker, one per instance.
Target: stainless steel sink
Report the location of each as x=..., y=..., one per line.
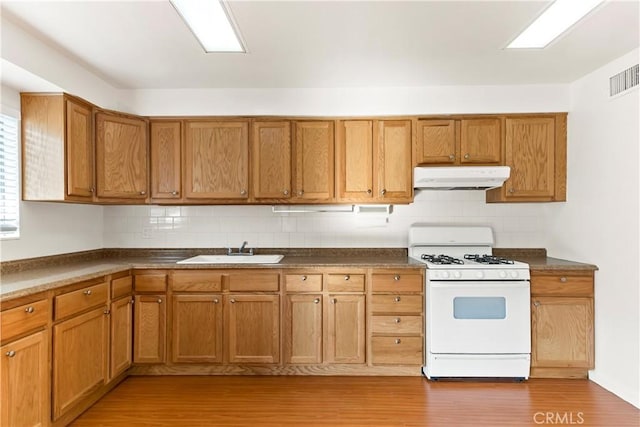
x=232, y=259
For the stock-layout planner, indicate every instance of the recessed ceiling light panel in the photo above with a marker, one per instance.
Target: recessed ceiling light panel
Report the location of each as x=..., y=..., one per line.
x=211, y=23
x=555, y=20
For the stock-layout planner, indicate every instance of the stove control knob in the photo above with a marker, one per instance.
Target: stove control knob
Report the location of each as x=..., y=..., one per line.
x=514, y=274
x=502, y=274
x=457, y=274
x=445, y=274
x=479, y=274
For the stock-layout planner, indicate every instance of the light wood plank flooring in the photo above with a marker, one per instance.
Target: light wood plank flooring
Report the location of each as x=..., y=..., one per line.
x=355, y=401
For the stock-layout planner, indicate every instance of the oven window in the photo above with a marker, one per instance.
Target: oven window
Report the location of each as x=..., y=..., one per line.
x=479, y=308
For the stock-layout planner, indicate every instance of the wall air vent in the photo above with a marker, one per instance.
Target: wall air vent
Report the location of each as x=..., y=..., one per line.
x=623, y=81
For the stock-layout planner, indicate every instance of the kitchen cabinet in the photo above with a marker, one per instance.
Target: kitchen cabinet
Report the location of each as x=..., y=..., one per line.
x=397, y=321
x=354, y=161
x=535, y=149
x=271, y=160
x=302, y=327
x=197, y=328
x=165, y=147
x=121, y=333
x=314, y=161
x=24, y=365
x=216, y=160
x=121, y=158
x=393, y=161
x=57, y=148
x=345, y=320
x=562, y=324
x=464, y=141
x=149, y=335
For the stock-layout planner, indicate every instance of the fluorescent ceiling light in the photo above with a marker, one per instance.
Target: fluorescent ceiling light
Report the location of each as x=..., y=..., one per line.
x=555, y=20
x=211, y=23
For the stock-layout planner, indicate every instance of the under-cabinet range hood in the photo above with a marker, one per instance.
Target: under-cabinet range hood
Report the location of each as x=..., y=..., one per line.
x=459, y=177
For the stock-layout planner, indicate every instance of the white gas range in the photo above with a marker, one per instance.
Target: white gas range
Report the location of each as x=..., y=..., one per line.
x=477, y=305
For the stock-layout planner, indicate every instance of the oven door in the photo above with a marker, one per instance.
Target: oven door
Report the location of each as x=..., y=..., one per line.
x=478, y=317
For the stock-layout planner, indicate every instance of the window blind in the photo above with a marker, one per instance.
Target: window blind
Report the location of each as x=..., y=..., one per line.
x=9, y=194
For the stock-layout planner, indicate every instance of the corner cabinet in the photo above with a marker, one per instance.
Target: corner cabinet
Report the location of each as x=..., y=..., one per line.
x=57, y=148
x=121, y=158
x=536, y=150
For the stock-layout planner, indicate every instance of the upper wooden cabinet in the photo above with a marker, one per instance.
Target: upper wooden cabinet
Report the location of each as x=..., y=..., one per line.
x=535, y=149
x=467, y=141
x=271, y=160
x=165, y=145
x=313, y=157
x=373, y=161
x=121, y=157
x=57, y=148
x=216, y=160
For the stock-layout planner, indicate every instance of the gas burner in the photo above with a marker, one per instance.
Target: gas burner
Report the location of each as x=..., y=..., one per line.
x=441, y=259
x=487, y=259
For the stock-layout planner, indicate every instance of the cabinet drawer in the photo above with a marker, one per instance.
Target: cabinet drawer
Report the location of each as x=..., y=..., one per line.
x=24, y=318
x=197, y=281
x=561, y=285
x=265, y=282
x=396, y=350
x=82, y=299
x=396, y=325
x=396, y=304
x=345, y=282
x=303, y=282
x=121, y=287
x=151, y=282
x=397, y=283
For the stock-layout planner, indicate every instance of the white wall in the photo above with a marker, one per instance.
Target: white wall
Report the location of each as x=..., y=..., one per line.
x=600, y=221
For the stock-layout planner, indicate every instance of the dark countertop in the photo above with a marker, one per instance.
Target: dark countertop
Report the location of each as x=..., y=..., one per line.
x=46, y=276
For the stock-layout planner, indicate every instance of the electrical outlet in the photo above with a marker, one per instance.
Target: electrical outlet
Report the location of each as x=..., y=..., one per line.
x=147, y=233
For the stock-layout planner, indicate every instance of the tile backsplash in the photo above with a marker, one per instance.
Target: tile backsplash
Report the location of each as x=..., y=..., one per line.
x=514, y=225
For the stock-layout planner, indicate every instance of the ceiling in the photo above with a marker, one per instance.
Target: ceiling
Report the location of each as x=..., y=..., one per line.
x=144, y=44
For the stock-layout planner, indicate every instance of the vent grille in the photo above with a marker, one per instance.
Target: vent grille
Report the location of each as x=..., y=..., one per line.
x=623, y=81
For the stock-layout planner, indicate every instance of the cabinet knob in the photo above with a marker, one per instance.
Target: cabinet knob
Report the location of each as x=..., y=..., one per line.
x=29, y=310
x=92, y=190
x=397, y=320
x=243, y=192
x=369, y=191
x=466, y=156
x=383, y=191
x=303, y=278
x=131, y=302
x=398, y=341
x=563, y=279
x=159, y=300
x=142, y=193
x=316, y=301
x=536, y=303
x=347, y=277
x=334, y=300
x=285, y=192
x=300, y=192
x=174, y=193
x=87, y=292
x=107, y=312
x=397, y=299
x=511, y=191
x=452, y=157
x=10, y=353
x=396, y=277
x=232, y=301
x=216, y=301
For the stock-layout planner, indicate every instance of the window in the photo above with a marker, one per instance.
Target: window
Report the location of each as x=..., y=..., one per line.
x=9, y=195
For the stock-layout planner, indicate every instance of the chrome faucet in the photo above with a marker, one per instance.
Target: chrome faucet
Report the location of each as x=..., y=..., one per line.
x=240, y=250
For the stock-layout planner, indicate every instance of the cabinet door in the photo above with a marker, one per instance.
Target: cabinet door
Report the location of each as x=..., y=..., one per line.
x=24, y=381
x=393, y=161
x=149, y=336
x=79, y=131
x=80, y=356
x=480, y=141
x=354, y=157
x=314, y=161
x=217, y=160
x=345, y=319
x=253, y=328
x=121, y=336
x=271, y=159
x=436, y=142
x=562, y=332
x=165, y=146
x=303, y=329
x=197, y=328
x=530, y=150
x=121, y=157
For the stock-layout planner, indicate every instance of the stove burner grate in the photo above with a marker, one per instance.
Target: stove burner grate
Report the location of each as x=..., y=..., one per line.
x=488, y=259
x=441, y=259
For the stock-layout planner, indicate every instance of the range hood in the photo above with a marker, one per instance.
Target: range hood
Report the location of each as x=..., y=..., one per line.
x=459, y=177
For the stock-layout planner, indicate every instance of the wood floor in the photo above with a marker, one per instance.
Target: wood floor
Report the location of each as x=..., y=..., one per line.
x=355, y=401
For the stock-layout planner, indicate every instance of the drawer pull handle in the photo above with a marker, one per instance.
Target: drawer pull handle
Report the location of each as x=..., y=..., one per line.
x=316, y=301
x=397, y=299
x=11, y=353
x=215, y=300
x=397, y=320
x=563, y=279
x=29, y=310
x=347, y=277
x=232, y=301
x=87, y=293
x=398, y=341
x=304, y=278
x=396, y=277
x=159, y=300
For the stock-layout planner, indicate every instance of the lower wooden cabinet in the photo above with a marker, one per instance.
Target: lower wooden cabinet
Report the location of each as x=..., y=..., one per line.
x=121, y=333
x=24, y=381
x=302, y=326
x=149, y=335
x=80, y=358
x=345, y=317
x=197, y=329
